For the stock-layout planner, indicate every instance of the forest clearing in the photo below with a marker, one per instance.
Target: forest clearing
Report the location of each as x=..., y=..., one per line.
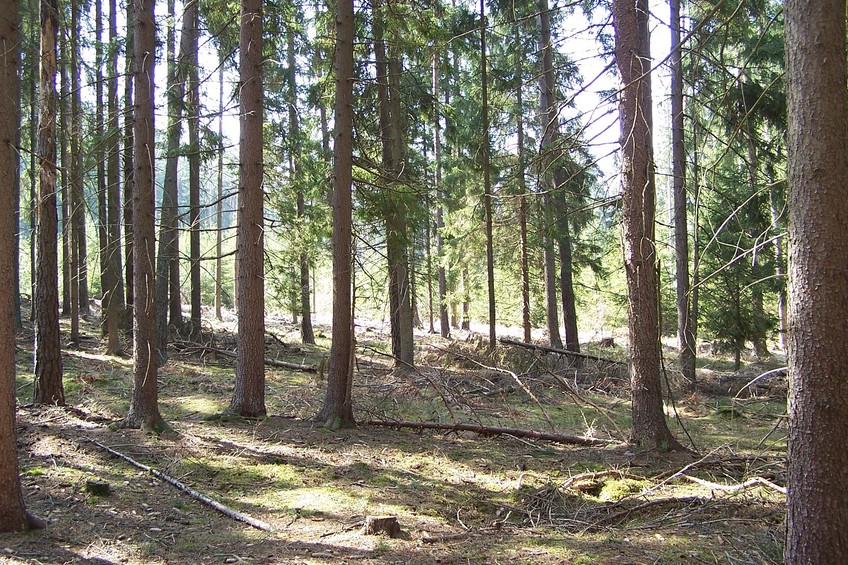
x=458, y=497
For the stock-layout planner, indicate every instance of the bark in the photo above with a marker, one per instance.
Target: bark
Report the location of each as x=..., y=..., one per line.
x=337, y=410
x=632, y=55
x=306, y=333
x=193, y=110
x=144, y=404
x=77, y=221
x=65, y=166
x=249, y=393
x=100, y=160
x=817, y=503
x=779, y=271
x=48, y=351
x=551, y=309
x=13, y=515
x=685, y=320
x=487, y=182
x=114, y=305
x=758, y=322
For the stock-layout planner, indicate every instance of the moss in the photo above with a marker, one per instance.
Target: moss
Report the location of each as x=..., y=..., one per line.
x=617, y=489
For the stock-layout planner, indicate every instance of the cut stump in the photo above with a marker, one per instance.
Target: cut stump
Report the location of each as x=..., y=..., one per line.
x=375, y=525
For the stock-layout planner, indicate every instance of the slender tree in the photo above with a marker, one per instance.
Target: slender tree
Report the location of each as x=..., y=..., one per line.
x=487, y=181
x=48, y=349
x=219, y=202
x=685, y=320
x=441, y=272
x=817, y=504
x=638, y=195
x=144, y=405
x=249, y=393
x=13, y=515
x=193, y=111
x=337, y=410
x=128, y=158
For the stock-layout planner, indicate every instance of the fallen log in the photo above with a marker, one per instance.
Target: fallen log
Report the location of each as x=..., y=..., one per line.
x=493, y=431
x=232, y=355
x=225, y=510
x=534, y=347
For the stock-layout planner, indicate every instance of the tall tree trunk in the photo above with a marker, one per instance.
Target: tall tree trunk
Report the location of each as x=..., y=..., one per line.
x=633, y=59
x=441, y=275
x=13, y=64
x=295, y=143
x=779, y=271
x=114, y=293
x=551, y=308
x=193, y=109
x=817, y=504
x=522, y=185
x=128, y=162
x=77, y=221
x=144, y=404
x=249, y=393
x=685, y=320
x=48, y=349
x=219, y=201
x=100, y=160
x=554, y=176
x=65, y=167
x=337, y=410
x=13, y=516
x=487, y=182
x=33, y=154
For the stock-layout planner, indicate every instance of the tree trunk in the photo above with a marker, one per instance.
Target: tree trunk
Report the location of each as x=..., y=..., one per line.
x=100, y=165
x=219, y=201
x=114, y=293
x=306, y=333
x=64, y=110
x=779, y=271
x=193, y=109
x=487, y=182
x=522, y=187
x=128, y=162
x=551, y=309
x=337, y=410
x=817, y=503
x=13, y=516
x=758, y=325
x=444, y=320
x=633, y=58
x=77, y=221
x=144, y=404
x=48, y=349
x=249, y=393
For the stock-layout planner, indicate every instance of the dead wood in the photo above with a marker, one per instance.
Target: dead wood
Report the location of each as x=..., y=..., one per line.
x=738, y=487
x=445, y=537
x=375, y=525
x=534, y=347
x=575, y=482
x=494, y=431
x=225, y=510
x=779, y=372
x=232, y=355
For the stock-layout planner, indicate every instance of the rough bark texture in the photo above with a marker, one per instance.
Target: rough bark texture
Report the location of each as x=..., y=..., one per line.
x=441, y=274
x=48, y=351
x=76, y=196
x=817, y=502
x=249, y=394
x=337, y=410
x=128, y=160
x=13, y=515
x=633, y=58
x=685, y=321
x=219, y=202
x=193, y=99
x=144, y=405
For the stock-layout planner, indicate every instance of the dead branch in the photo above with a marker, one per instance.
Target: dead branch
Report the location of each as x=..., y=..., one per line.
x=532, y=346
x=232, y=355
x=571, y=483
x=738, y=487
x=781, y=371
x=494, y=431
x=235, y=515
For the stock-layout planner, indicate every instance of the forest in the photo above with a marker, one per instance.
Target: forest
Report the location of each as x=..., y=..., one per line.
x=408, y=281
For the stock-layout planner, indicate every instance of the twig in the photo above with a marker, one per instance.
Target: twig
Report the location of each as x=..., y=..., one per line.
x=736, y=488
x=270, y=362
x=533, y=346
x=235, y=515
x=494, y=431
x=597, y=475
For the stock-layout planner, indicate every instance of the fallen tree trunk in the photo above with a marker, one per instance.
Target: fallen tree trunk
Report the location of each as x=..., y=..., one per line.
x=493, y=431
x=533, y=346
x=235, y=515
x=232, y=355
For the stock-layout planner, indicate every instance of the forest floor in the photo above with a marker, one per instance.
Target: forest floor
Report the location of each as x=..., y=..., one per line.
x=459, y=497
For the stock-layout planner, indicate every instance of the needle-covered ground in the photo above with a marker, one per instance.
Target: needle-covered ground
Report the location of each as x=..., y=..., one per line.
x=459, y=497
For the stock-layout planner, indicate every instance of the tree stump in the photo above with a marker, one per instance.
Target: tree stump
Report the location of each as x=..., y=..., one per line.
x=375, y=525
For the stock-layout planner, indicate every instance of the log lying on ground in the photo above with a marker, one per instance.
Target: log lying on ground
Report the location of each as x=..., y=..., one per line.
x=533, y=346
x=235, y=515
x=269, y=362
x=493, y=431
